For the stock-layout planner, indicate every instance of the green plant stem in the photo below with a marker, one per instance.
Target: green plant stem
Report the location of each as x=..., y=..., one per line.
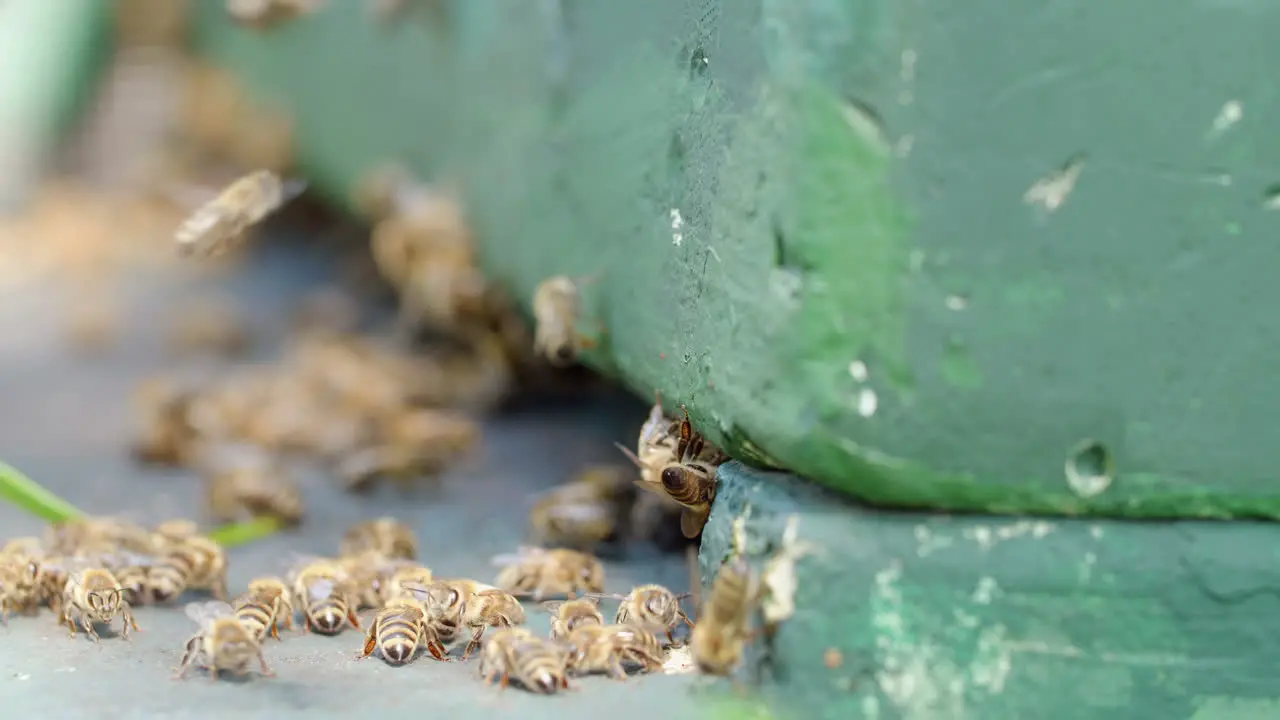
x=30, y=496
x=229, y=536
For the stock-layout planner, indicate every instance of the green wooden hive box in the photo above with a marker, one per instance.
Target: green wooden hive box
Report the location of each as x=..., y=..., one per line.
x=987, y=257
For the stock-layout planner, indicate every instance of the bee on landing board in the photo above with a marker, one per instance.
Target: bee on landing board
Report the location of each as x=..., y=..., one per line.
x=651, y=606
x=399, y=630
x=223, y=221
x=538, y=665
x=445, y=602
x=321, y=590
x=539, y=572
x=610, y=648
x=264, y=607
x=387, y=536
x=569, y=615
x=489, y=608
x=222, y=644
x=93, y=597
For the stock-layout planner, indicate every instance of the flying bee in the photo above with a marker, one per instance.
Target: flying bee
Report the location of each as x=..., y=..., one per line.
x=399, y=630
x=252, y=484
x=385, y=535
x=719, y=639
x=264, y=607
x=190, y=563
x=268, y=14
x=541, y=572
x=651, y=606
x=223, y=221
x=489, y=608
x=223, y=642
x=556, y=305
x=321, y=589
x=93, y=597
x=582, y=513
x=538, y=665
x=569, y=615
x=610, y=648
x=19, y=586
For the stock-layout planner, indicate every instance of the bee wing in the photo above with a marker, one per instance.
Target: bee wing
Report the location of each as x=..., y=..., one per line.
x=291, y=188
x=604, y=596
x=420, y=591
x=204, y=613
x=520, y=555
x=552, y=606
x=630, y=455
x=321, y=588
x=692, y=521
x=654, y=488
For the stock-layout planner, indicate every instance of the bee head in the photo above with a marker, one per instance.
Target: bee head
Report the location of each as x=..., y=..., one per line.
x=675, y=478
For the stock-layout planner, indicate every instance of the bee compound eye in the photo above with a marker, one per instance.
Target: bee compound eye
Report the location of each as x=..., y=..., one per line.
x=564, y=354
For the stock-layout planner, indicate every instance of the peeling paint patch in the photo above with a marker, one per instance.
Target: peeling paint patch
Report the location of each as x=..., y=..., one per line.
x=986, y=591
x=1052, y=190
x=927, y=542
x=1095, y=531
x=1232, y=112
x=867, y=402
x=677, y=222
x=858, y=371
x=988, y=537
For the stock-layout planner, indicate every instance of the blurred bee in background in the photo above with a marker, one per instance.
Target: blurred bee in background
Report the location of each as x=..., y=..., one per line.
x=193, y=562
x=556, y=306
x=583, y=512
x=329, y=310
x=93, y=597
x=610, y=648
x=399, y=630
x=651, y=606
x=212, y=105
x=270, y=14
x=94, y=534
x=516, y=654
x=436, y=449
x=489, y=608
x=263, y=139
x=385, y=535
x=223, y=221
x=264, y=607
x=321, y=590
x=165, y=434
x=151, y=23
x=243, y=480
x=569, y=615
x=24, y=548
x=19, y=585
x=720, y=638
x=540, y=572
x=209, y=327
x=222, y=644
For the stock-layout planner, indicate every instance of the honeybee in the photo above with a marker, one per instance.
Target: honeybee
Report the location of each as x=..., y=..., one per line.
x=609, y=648
x=28, y=547
x=222, y=221
x=380, y=192
x=691, y=479
x=223, y=642
x=189, y=563
x=370, y=574
x=133, y=572
x=719, y=639
x=83, y=535
x=165, y=435
x=779, y=581
x=175, y=530
x=265, y=607
x=209, y=327
x=489, y=608
x=652, y=606
x=569, y=615
x=269, y=14
x=329, y=310
x=581, y=513
x=321, y=589
x=399, y=630
x=445, y=601
x=19, y=585
x=541, y=572
x=385, y=535
x=151, y=23
x=556, y=305
x=248, y=481
x=409, y=574
x=538, y=665
x=94, y=596
x=400, y=463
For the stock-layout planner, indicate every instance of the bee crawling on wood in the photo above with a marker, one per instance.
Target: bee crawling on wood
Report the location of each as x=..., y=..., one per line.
x=556, y=306
x=222, y=644
x=540, y=572
x=569, y=615
x=651, y=606
x=539, y=665
x=190, y=563
x=223, y=221
x=610, y=648
x=446, y=601
x=689, y=478
x=489, y=608
x=399, y=630
x=93, y=597
x=321, y=590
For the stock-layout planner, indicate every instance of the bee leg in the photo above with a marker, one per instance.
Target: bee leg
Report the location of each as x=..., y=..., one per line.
x=87, y=625
x=437, y=651
x=306, y=624
x=213, y=673
x=616, y=671
x=685, y=618
x=504, y=681
x=353, y=618
x=475, y=642
x=370, y=644
x=262, y=662
x=275, y=632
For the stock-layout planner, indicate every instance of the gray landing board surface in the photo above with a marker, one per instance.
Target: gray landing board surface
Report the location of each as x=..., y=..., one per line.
x=66, y=422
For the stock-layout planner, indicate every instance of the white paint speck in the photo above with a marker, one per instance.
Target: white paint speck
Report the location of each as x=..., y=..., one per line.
x=1232, y=112
x=1086, y=485
x=677, y=222
x=858, y=371
x=985, y=591
x=21, y=676
x=956, y=302
x=1096, y=531
x=867, y=402
x=1052, y=190
x=679, y=661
